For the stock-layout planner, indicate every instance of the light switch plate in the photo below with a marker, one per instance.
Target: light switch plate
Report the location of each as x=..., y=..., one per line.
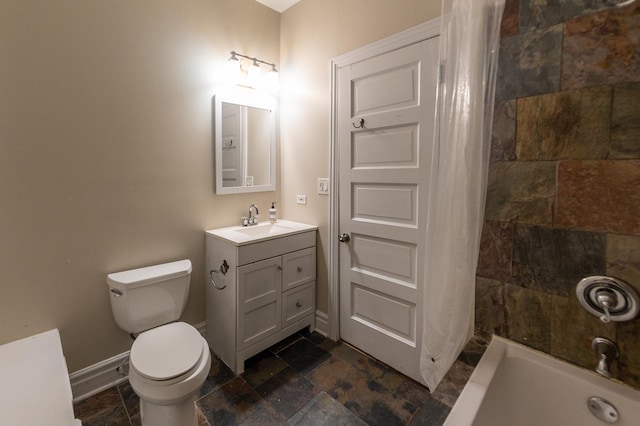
x=301, y=199
x=323, y=186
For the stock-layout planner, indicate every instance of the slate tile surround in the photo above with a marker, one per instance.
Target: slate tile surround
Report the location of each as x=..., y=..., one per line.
x=563, y=198
x=601, y=48
x=625, y=121
x=599, y=196
x=533, y=70
x=537, y=14
x=553, y=260
x=564, y=125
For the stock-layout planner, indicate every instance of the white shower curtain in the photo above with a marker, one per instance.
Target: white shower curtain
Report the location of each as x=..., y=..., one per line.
x=469, y=46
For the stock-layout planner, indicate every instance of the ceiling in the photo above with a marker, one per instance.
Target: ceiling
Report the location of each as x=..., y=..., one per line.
x=279, y=5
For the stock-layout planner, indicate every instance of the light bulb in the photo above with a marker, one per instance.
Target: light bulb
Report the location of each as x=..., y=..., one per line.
x=233, y=69
x=273, y=79
x=254, y=75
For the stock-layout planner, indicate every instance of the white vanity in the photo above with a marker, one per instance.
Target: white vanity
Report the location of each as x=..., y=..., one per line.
x=261, y=286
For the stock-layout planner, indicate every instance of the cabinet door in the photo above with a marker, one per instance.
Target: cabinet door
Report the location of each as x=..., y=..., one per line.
x=259, y=301
x=299, y=268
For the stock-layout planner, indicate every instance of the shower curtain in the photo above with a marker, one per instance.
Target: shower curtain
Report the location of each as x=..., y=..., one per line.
x=469, y=45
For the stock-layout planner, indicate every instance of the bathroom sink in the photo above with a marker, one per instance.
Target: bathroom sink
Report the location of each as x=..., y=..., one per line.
x=263, y=229
x=241, y=235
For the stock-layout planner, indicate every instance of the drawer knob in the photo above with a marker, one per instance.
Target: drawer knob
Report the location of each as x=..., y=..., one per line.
x=299, y=268
x=298, y=304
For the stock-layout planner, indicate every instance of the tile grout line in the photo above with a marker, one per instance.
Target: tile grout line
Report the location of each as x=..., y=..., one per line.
x=124, y=405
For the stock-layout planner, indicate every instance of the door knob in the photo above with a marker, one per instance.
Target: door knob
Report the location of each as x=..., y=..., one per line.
x=344, y=238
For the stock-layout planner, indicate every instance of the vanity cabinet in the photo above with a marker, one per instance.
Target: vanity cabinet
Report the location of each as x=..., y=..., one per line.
x=258, y=292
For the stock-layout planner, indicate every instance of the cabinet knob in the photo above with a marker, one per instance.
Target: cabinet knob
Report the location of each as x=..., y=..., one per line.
x=299, y=268
x=279, y=268
x=298, y=304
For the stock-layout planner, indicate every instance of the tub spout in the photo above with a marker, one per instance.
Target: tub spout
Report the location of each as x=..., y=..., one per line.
x=607, y=352
x=603, y=367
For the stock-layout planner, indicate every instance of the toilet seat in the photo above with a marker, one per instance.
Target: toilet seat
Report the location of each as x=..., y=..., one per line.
x=168, y=353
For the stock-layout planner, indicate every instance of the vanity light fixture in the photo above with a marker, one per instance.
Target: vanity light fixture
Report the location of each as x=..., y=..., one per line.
x=254, y=75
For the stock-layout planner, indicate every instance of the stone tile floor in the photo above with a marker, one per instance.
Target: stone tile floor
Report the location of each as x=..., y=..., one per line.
x=304, y=380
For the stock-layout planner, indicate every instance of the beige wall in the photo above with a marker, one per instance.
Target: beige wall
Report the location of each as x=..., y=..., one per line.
x=106, y=153
x=314, y=32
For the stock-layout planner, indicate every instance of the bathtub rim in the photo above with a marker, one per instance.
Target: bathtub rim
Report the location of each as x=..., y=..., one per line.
x=466, y=407
x=470, y=400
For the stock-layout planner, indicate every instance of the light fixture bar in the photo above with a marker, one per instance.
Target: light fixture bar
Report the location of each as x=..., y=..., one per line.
x=235, y=54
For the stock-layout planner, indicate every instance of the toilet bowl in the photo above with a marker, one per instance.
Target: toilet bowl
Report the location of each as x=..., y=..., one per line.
x=167, y=367
x=169, y=363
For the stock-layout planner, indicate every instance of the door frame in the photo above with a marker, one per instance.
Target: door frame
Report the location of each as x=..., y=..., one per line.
x=402, y=39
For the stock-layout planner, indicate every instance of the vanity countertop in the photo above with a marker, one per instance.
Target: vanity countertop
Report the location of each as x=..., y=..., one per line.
x=242, y=235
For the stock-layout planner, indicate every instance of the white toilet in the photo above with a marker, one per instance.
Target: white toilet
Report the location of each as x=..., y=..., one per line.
x=169, y=361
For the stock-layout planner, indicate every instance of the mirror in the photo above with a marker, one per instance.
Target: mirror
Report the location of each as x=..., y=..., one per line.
x=245, y=145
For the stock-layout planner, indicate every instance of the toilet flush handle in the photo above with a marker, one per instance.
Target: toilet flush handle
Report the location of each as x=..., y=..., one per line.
x=116, y=292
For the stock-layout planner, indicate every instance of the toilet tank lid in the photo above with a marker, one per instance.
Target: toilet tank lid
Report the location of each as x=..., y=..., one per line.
x=150, y=274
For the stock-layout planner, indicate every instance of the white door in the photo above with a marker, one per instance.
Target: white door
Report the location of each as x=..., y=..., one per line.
x=232, y=145
x=386, y=109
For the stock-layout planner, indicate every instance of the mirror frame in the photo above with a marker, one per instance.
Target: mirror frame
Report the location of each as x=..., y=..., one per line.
x=253, y=99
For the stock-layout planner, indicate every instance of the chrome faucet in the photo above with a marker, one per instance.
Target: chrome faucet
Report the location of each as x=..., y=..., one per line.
x=607, y=352
x=251, y=220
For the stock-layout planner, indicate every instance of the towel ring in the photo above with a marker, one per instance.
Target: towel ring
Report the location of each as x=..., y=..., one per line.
x=211, y=272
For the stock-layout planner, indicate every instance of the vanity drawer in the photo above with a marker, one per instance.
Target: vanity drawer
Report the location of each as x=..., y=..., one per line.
x=274, y=247
x=299, y=267
x=298, y=303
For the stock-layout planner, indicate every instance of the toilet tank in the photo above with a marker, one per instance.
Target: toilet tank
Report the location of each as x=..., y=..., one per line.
x=149, y=297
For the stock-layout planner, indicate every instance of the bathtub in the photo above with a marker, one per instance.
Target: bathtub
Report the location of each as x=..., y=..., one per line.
x=34, y=383
x=516, y=385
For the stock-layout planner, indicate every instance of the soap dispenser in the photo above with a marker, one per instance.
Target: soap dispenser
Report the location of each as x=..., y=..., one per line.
x=272, y=212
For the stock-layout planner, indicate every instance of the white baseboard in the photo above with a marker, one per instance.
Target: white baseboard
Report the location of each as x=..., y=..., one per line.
x=322, y=323
x=98, y=377
x=106, y=374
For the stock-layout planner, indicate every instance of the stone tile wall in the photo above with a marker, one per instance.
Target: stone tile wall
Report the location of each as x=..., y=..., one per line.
x=563, y=198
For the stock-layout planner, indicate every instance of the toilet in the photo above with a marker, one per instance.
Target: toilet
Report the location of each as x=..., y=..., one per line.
x=169, y=361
